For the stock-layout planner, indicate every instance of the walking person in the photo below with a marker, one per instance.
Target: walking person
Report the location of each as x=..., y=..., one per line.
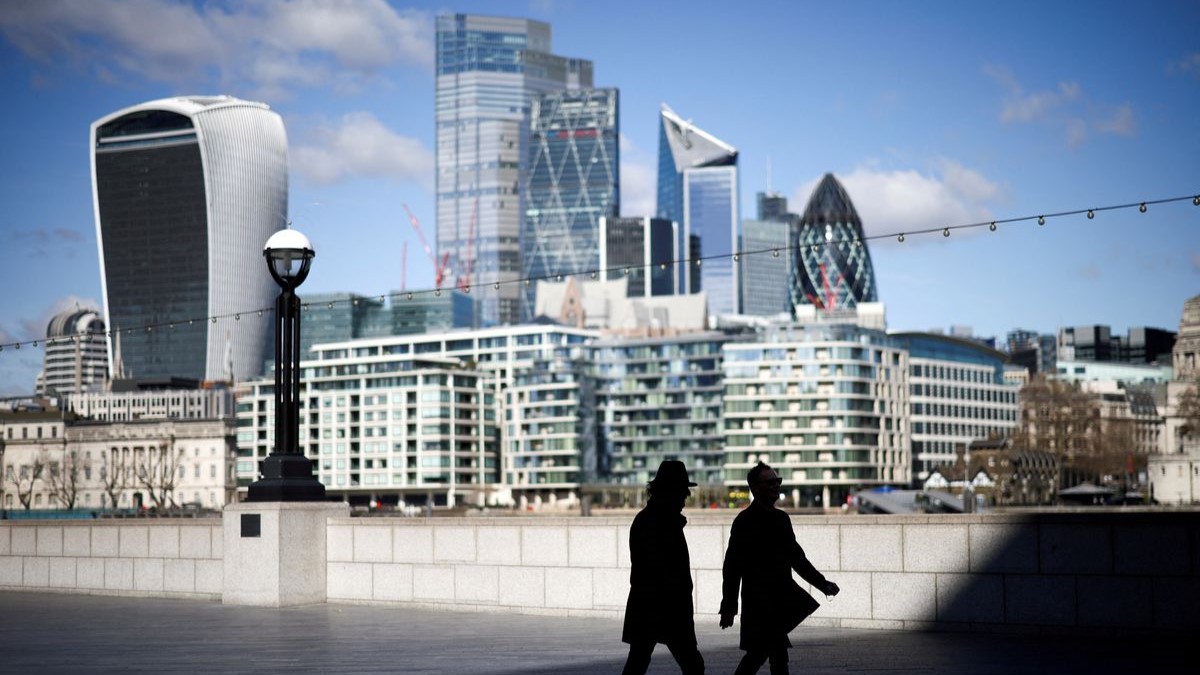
x=659, y=610
x=762, y=554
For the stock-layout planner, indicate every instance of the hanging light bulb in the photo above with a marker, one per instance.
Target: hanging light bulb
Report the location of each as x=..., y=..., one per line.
x=558, y=278
x=381, y=298
x=260, y=312
x=1041, y=220
x=1142, y=207
x=214, y=319
x=331, y=305
x=992, y=227
x=698, y=262
x=35, y=344
x=735, y=257
x=410, y=295
x=1091, y=214
x=237, y=317
x=437, y=293
x=593, y=274
x=775, y=253
x=662, y=266
x=1196, y=200
x=946, y=232
x=900, y=238
x=625, y=271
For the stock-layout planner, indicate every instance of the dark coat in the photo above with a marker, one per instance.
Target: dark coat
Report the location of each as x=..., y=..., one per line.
x=659, y=609
x=761, y=556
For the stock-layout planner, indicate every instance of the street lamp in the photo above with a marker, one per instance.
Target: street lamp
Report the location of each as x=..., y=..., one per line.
x=286, y=472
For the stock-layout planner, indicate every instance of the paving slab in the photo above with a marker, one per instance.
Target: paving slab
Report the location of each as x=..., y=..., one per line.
x=61, y=633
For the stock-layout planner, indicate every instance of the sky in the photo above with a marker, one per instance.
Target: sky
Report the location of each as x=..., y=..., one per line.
x=932, y=114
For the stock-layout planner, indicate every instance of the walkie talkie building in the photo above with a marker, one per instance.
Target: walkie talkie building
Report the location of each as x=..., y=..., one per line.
x=186, y=191
x=832, y=265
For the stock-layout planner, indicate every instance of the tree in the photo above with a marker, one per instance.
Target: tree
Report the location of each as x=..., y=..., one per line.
x=114, y=475
x=25, y=478
x=65, y=479
x=1188, y=408
x=158, y=472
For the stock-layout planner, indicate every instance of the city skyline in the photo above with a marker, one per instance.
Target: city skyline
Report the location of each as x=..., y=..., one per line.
x=927, y=119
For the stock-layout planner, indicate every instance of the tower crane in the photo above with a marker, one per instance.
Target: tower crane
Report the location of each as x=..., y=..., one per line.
x=439, y=269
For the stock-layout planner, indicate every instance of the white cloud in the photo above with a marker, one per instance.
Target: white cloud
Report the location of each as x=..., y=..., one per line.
x=359, y=145
x=1065, y=107
x=638, y=180
x=1188, y=64
x=270, y=47
x=906, y=200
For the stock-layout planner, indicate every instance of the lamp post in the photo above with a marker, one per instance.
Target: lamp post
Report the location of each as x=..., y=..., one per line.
x=286, y=473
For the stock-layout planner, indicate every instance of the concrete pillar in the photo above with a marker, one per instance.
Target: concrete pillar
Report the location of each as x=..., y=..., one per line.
x=275, y=552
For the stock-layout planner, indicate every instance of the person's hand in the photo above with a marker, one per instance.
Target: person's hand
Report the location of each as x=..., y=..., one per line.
x=726, y=620
x=831, y=588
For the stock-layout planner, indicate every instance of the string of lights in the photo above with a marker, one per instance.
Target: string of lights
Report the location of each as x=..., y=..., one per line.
x=992, y=225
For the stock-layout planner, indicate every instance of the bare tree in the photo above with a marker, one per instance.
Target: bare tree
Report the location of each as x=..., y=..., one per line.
x=65, y=478
x=158, y=472
x=114, y=475
x=24, y=479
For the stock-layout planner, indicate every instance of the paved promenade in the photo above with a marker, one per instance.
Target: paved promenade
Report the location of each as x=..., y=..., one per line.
x=53, y=633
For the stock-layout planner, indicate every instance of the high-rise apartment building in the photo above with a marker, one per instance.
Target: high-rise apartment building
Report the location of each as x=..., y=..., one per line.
x=76, y=359
x=572, y=182
x=643, y=250
x=698, y=189
x=489, y=71
x=186, y=192
x=832, y=267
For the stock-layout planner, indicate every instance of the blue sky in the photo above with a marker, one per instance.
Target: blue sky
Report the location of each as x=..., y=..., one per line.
x=931, y=113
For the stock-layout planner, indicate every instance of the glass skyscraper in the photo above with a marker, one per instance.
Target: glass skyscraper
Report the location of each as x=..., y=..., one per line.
x=698, y=189
x=833, y=267
x=573, y=178
x=186, y=193
x=640, y=249
x=489, y=71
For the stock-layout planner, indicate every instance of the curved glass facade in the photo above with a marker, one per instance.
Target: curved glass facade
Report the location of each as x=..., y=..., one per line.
x=832, y=265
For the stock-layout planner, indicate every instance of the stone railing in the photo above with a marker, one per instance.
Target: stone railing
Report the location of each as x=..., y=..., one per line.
x=1073, y=571
x=168, y=558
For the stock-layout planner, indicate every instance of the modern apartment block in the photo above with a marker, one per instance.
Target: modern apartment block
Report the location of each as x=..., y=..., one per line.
x=572, y=182
x=826, y=405
x=659, y=398
x=642, y=250
x=76, y=356
x=489, y=72
x=833, y=266
x=420, y=418
x=958, y=394
x=186, y=191
x=698, y=190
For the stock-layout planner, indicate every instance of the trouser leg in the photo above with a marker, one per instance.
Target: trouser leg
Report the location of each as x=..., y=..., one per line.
x=639, y=659
x=751, y=662
x=779, y=662
x=688, y=657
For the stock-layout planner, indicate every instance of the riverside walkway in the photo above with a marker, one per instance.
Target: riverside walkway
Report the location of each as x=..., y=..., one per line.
x=57, y=633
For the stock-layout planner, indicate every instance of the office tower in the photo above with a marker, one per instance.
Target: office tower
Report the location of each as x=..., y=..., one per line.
x=186, y=193
x=774, y=230
x=833, y=269
x=958, y=395
x=1037, y=352
x=698, y=189
x=489, y=71
x=573, y=178
x=637, y=248
x=76, y=359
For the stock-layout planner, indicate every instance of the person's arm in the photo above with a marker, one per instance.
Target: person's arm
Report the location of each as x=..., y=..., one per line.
x=800, y=562
x=731, y=575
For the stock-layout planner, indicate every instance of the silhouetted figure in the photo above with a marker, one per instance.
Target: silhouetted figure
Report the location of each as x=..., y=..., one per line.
x=660, y=584
x=761, y=556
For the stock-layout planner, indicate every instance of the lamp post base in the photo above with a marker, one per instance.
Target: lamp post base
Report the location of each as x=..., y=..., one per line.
x=286, y=478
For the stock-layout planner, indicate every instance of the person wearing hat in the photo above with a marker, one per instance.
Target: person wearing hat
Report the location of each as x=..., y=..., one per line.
x=761, y=556
x=659, y=610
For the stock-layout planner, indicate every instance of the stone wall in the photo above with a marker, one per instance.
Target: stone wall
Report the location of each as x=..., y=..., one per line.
x=167, y=558
x=1073, y=571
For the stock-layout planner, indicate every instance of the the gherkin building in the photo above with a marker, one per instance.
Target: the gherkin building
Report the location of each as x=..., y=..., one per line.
x=832, y=265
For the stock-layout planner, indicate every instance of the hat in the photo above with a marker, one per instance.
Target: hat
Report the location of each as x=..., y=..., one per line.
x=672, y=473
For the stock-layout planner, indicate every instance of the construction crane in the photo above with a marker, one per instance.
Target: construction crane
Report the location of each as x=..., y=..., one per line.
x=439, y=269
x=464, y=281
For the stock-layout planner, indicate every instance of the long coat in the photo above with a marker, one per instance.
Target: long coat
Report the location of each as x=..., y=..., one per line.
x=762, y=554
x=659, y=609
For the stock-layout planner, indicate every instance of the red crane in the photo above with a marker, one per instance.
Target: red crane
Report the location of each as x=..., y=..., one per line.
x=439, y=269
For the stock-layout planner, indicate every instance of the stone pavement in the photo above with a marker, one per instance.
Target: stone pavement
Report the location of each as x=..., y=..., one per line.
x=54, y=633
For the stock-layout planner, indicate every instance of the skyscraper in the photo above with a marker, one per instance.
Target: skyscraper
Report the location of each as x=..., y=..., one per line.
x=774, y=230
x=698, y=189
x=645, y=247
x=833, y=267
x=489, y=70
x=573, y=179
x=76, y=360
x=186, y=191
